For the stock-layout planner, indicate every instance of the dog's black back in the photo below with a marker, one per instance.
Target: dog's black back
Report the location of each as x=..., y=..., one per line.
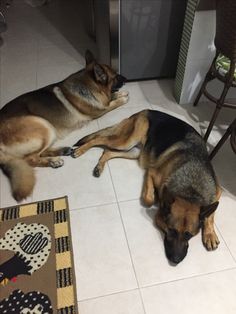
x=193, y=177
x=164, y=131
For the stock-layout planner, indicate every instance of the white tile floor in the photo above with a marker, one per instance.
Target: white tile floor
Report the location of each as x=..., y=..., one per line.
x=119, y=257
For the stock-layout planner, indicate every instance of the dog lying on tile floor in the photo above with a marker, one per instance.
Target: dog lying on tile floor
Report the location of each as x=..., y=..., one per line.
x=31, y=123
x=177, y=167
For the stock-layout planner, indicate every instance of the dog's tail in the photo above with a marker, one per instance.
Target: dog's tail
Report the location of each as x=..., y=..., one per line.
x=20, y=174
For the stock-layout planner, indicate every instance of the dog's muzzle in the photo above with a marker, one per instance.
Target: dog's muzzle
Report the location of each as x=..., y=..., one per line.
x=176, y=250
x=118, y=83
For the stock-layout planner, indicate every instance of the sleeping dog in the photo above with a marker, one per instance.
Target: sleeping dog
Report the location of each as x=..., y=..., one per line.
x=31, y=123
x=178, y=174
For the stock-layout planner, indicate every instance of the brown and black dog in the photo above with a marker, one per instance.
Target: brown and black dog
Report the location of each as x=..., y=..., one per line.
x=31, y=123
x=177, y=167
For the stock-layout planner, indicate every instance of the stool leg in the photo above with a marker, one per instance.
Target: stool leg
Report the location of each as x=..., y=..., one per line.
x=209, y=77
x=221, y=100
x=213, y=119
x=221, y=142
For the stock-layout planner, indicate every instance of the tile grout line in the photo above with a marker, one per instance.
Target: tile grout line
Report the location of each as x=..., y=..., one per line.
x=189, y=277
x=108, y=295
x=127, y=242
x=225, y=243
x=109, y=203
x=92, y=206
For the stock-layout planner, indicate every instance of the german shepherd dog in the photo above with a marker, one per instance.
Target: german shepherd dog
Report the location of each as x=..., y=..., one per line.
x=31, y=123
x=177, y=167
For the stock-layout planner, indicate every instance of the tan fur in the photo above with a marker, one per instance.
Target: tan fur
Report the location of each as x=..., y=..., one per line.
x=130, y=134
x=31, y=123
x=20, y=174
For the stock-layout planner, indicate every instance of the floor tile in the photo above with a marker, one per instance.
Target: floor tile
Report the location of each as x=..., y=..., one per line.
x=226, y=220
x=17, y=77
x=158, y=91
x=214, y=293
x=114, y=116
x=147, y=250
x=120, y=303
x=136, y=96
x=75, y=179
x=52, y=55
x=127, y=178
x=52, y=74
x=102, y=261
x=225, y=167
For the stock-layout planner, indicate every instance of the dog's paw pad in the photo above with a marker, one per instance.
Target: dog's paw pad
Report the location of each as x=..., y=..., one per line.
x=56, y=163
x=74, y=153
x=96, y=172
x=211, y=241
x=67, y=151
x=125, y=99
x=125, y=93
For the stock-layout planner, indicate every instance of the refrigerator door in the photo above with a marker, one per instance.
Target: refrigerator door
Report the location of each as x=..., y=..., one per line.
x=150, y=35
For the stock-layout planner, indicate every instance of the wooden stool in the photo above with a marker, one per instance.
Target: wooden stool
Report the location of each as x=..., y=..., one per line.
x=225, y=42
x=231, y=131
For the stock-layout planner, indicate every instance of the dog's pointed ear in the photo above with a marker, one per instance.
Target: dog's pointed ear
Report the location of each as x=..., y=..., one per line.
x=206, y=211
x=100, y=74
x=89, y=57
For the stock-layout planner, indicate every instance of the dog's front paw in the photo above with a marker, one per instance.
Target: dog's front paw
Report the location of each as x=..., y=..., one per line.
x=75, y=153
x=56, y=163
x=210, y=240
x=120, y=94
x=147, y=200
x=124, y=99
x=66, y=151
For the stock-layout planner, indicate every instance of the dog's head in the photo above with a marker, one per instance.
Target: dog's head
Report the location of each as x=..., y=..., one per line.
x=183, y=221
x=103, y=74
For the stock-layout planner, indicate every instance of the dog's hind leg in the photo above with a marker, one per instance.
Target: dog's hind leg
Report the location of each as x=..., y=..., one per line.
x=123, y=136
x=35, y=160
x=53, y=152
x=209, y=237
x=109, y=154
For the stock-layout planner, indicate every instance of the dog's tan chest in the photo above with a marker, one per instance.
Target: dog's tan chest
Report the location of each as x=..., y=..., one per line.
x=75, y=118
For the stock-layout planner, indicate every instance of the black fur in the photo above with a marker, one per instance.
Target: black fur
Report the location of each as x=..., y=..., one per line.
x=193, y=178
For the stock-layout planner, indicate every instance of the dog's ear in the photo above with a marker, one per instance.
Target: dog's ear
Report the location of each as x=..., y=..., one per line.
x=89, y=57
x=206, y=211
x=100, y=74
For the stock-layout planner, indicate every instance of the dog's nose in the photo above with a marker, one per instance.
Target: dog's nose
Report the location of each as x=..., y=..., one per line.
x=121, y=78
x=175, y=260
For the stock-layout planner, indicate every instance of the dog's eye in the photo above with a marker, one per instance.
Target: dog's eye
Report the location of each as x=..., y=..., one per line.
x=173, y=232
x=187, y=235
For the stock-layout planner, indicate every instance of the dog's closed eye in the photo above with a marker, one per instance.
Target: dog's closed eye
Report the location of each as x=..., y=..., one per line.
x=173, y=233
x=187, y=235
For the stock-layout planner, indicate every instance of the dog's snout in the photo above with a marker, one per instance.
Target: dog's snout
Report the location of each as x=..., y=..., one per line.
x=121, y=78
x=175, y=260
x=118, y=82
x=175, y=249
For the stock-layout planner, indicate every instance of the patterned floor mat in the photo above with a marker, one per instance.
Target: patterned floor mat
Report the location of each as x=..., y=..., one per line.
x=36, y=259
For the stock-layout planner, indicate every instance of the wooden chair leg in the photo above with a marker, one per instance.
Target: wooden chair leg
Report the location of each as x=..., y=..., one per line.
x=221, y=142
x=213, y=119
x=209, y=77
x=221, y=100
